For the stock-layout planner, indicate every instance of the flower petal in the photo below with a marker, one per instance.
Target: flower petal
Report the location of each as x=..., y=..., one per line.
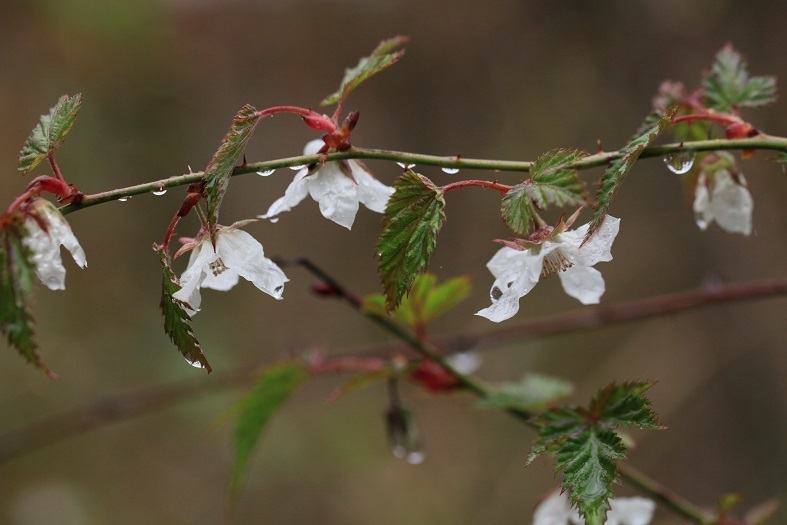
x=598, y=248
x=243, y=255
x=630, y=511
x=336, y=193
x=45, y=252
x=192, y=277
x=371, y=192
x=293, y=195
x=731, y=203
x=702, y=212
x=555, y=510
x=583, y=283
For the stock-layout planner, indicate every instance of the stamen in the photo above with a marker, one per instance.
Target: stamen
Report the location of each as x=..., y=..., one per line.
x=217, y=267
x=555, y=261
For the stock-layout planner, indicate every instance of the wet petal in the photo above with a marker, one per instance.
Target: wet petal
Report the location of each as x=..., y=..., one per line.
x=630, y=511
x=45, y=252
x=371, y=192
x=336, y=193
x=555, y=510
x=598, y=248
x=583, y=283
x=243, y=255
x=702, y=213
x=192, y=277
x=731, y=204
x=293, y=195
x=507, y=304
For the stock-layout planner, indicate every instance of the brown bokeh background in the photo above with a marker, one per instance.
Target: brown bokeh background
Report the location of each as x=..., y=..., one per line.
x=503, y=79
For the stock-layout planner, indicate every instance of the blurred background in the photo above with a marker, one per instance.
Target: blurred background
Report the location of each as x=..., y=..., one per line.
x=505, y=79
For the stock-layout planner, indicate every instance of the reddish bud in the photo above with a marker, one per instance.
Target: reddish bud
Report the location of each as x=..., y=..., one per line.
x=189, y=202
x=324, y=289
x=434, y=377
x=740, y=130
x=51, y=185
x=319, y=122
x=349, y=123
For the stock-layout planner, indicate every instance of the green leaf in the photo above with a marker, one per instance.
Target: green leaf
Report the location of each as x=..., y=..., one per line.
x=177, y=323
x=17, y=273
x=381, y=58
x=534, y=392
x=272, y=389
x=619, y=168
x=587, y=461
x=586, y=444
x=551, y=183
x=426, y=300
x=50, y=132
x=413, y=217
x=729, y=86
x=624, y=405
x=217, y=174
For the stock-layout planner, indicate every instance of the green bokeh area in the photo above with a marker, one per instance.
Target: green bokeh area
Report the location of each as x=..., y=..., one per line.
x=509, y=79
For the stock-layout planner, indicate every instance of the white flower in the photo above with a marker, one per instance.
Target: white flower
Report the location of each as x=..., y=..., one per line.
x=517, y=271
x=237, y=254
x=337, y=194
x=722, y=198
x=556, y=510
x=47, y=230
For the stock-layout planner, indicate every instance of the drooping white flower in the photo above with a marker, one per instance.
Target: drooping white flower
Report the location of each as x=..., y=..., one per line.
x=337, y=194
x=237, y=254
x=722, y=198
x=47, y=230
x=556, y=510
x=554, y=250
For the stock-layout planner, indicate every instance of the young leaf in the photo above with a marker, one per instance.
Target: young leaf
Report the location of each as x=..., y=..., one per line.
x=219, y=170
x=16, y=287
x=50, y=132
x=586, y=444
x=273, y=388
x=618, y=169
x=728, y=85
x=413, y=217
x=534, y=392
x=177, y=323
x=516, y=208
x=381, y=58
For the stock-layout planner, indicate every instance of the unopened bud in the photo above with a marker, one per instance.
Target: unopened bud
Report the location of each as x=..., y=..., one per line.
x=319, y=122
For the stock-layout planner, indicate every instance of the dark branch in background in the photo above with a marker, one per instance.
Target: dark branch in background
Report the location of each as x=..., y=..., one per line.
x=124, y=406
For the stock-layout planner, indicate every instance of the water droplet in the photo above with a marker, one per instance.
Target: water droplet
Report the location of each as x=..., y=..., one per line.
x=161, y=191
x=495, y=293
x=265, y=173
x=407, y=167
x=124, y=199
x=278, y=290
x=451, y=171
x=415, y=458
x=679, y=162
x=194, y=362
x=296, y=168
x=274, y=220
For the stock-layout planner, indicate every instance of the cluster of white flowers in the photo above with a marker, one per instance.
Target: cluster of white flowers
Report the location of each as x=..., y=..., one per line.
x=556, y=510
x=47, y=230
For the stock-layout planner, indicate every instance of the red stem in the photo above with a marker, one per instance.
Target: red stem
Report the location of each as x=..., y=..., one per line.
x=55, y=168
x=292, y=109
x=724, y=118
x=502, y=188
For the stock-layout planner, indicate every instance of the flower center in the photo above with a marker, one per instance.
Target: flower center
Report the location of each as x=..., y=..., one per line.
x=217, y=267
x=555, y=261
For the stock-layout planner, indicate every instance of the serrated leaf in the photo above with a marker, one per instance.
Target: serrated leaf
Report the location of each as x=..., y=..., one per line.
x=516, y=209
x=587, y=461
x=272, y=389
x=619, y=168
x=217, y=174
x=17, y=273
x=728, y=85
x=413, y=217
x=623, y=404
x=554, y=427
x=534, y=392
x=548, y=166
x=50, y=132
x=177, y=322
x=381, y=58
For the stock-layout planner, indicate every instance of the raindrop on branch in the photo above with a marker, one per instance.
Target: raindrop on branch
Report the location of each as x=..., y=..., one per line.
x=406, y=166
x=296, y=168
x=451, y=171
x=265, y=173
x=124, y=199
x=679, y=162
x=160, y=191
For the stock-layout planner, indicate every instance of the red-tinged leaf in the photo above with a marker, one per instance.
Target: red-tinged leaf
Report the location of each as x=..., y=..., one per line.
x=273, y=388
x=728, y=85
x=217, y=174
x=50, y=132
x=177, y=322
x=413, y=217
x=620, y=167
x=17, y=274
x=381, y=58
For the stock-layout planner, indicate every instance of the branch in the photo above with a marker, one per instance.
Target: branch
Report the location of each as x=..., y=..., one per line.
x=760, y=142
